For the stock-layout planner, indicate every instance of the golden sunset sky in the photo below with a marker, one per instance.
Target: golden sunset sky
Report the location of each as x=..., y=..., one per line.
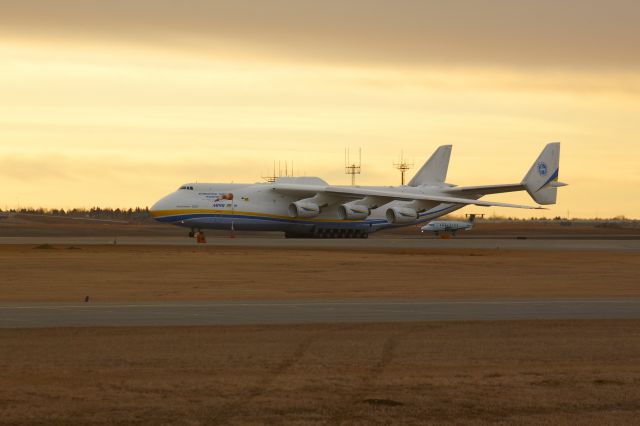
x=115, y=103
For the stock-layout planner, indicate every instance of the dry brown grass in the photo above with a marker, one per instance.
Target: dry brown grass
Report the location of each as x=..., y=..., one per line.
x=117, y=273
x=541, y=372
x=32, y=226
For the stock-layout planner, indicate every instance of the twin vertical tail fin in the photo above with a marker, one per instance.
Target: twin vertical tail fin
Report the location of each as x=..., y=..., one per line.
x=434, y=171
x=541, y=182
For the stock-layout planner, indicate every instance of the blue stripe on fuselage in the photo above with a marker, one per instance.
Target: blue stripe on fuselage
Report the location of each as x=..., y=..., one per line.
x=182, y=217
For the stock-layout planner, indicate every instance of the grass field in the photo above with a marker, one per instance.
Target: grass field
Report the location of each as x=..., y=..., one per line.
x=129, y=273
x=540, y=372
x=506, y=372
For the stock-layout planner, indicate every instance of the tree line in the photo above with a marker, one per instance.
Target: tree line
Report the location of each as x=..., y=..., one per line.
x=138, y=214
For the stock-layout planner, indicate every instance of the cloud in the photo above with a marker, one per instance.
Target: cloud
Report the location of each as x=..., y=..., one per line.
x=545, y=33
x=55, y=180
x=118, y=102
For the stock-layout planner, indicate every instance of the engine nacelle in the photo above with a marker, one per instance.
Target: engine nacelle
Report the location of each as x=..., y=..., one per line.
x=353, y=211
x=401, y=215
x=303, y=209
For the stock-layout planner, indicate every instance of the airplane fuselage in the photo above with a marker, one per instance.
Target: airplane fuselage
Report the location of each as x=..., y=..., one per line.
x=309, y=206
x=256, y=207
x=446, y=226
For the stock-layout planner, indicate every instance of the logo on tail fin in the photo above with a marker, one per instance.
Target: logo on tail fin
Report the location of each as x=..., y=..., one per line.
x=542, y=168
x=543, y=171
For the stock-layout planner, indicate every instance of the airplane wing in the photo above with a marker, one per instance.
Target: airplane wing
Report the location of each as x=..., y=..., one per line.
x=479, y=191
x=354, y=193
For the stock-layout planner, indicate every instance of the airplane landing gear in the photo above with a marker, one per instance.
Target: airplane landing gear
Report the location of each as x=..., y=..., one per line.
x=199, y=236
x=331, y=233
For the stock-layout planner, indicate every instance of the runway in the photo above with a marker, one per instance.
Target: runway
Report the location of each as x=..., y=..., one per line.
x=595, y=244
x=37, y=315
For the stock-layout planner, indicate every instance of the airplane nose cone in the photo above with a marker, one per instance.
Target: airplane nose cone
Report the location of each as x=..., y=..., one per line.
x=157, y=210
x=154, y=209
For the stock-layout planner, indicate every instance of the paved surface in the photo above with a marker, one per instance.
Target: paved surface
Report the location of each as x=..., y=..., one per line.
x=303, y=312
x=417, y=242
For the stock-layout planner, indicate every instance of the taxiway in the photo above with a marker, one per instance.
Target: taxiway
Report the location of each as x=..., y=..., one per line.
x=596, y=244
x=30, y=315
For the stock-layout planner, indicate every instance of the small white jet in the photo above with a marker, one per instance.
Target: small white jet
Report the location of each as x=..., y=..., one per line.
x=452, y=226
x=305, y=207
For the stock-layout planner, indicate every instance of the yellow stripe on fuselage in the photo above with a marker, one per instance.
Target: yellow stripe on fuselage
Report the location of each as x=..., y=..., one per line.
x=180, y=212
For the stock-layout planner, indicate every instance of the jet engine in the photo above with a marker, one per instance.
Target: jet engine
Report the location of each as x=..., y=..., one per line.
x=303, y=209
x=401, y=215
x=353, y=211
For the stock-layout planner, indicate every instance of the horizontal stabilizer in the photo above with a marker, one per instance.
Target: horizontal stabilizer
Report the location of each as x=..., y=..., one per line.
x=356, y=192
x=479, y=191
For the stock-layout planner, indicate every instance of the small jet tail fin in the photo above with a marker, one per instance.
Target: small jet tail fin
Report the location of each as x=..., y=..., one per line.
x=434, y=171
x=541, y=182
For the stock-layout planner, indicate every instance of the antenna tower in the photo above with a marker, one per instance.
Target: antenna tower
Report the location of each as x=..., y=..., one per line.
x=272, y=178
x=352, y=169
x=403, y=166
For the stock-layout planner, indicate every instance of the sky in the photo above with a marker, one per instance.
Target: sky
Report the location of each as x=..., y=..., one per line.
x=117, y=103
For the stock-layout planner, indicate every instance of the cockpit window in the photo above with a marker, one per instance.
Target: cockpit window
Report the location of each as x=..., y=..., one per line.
x=190, y=188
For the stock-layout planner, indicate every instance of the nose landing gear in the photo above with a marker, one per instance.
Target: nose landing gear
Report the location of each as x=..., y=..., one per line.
x=199, y=236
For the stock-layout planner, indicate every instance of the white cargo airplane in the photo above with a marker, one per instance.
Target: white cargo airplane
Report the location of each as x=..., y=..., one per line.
x=310, y=207
x=453, y=226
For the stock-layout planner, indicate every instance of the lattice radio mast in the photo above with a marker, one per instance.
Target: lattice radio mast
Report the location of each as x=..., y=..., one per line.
x=403, y=166
x=352, y=169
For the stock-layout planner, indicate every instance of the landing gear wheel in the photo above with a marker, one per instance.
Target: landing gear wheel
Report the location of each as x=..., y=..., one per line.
x=192, y=234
